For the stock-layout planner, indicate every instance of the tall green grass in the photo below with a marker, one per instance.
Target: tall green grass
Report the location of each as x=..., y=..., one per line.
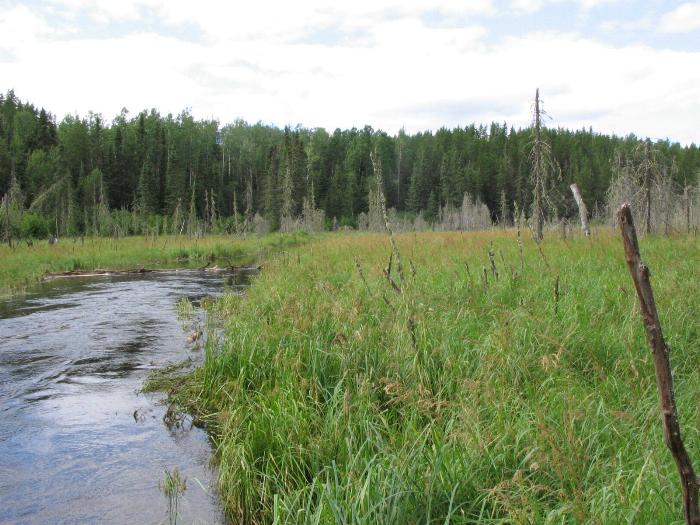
x=25, y=265
x=505, y=403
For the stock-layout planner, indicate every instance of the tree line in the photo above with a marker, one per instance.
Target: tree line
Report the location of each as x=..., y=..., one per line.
x=144, y=172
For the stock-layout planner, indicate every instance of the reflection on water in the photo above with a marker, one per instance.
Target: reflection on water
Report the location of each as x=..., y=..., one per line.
x=78, y=443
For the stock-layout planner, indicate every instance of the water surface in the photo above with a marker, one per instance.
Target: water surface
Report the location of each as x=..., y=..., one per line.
x=78, y=442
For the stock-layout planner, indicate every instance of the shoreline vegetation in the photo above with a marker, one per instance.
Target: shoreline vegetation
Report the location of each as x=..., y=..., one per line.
x=24, y=266
x=474, y=378
x=97, y=272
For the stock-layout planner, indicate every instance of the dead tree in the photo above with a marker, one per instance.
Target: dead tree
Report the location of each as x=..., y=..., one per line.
x=686, y=203
x=648, y=170
x=399, y=144
x=235, y=212
x=248, y=201
x=582, y=211
x=542, y=165
x=537, y=170
x=664, y=380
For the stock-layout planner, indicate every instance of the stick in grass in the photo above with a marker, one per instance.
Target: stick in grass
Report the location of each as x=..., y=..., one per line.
x=664, y=380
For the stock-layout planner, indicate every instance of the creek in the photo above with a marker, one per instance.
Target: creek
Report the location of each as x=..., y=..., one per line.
x=79, y=442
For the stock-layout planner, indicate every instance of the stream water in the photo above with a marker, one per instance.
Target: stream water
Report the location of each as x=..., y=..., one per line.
x=78, y=442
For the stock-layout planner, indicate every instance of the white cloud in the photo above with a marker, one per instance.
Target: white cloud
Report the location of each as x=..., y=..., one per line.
x=527, y=6
x=683, y=19
x=269, y=18
x=100, y=11
x=20, y=26
x=629, y=26
x=532, y=6
x=591, y=4
x=288, y=20
x=398, y=71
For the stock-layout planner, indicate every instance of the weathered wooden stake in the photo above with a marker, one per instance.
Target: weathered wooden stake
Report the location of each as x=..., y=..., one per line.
x=582, y=211
x=664, y=380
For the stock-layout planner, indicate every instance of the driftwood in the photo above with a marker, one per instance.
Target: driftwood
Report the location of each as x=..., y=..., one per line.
x=664, y=380
x=582, y=211
x=136, y=271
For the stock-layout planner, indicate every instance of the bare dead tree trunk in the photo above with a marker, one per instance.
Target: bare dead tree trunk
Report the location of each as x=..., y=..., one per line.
x=647, y=174
x=664, y=380
x=235, y=212
x=8, y=226
x=504, y=210
x=538, y=170
x=9, y=202
x=686, y=200
x=398, y=172
x=582, y=211
x=248, y=201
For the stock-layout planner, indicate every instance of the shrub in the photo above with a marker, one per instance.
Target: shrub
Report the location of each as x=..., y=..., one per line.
x=34, y=226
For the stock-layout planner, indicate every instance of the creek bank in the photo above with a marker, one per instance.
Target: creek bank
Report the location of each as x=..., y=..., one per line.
x=98, y=272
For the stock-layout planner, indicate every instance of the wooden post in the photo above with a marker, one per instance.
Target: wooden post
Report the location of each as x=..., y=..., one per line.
x=582, y=211
x=664, y=380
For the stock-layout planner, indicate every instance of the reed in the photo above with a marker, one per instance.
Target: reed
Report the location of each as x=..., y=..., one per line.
x=325, y=407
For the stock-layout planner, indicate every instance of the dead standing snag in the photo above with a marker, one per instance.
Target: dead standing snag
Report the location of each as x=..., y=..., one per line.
x=664, y=380
x=582, y=211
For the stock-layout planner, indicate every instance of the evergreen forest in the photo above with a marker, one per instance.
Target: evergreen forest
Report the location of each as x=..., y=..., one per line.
x=173, y=173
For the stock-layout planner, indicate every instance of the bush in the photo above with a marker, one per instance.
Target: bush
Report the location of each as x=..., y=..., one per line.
x=34, y=226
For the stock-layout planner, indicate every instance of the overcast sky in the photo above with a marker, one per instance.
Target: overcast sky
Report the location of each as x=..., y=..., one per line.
x=617, y=65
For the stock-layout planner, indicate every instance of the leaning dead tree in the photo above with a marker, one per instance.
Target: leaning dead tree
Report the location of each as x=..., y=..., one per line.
x=664, y=380
x=582, y=211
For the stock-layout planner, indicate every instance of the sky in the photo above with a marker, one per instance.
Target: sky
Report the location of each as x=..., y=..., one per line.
x=618, y=66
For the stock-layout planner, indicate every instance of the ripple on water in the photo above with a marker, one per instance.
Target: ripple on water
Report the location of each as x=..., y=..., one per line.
x=78, y=443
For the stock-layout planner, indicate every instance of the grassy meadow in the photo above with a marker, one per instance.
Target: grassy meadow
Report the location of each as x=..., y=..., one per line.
x=24, y=265
x=491, y=389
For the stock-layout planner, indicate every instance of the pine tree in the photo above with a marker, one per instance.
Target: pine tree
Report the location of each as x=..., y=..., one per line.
x=148, y=189
x=503, y=205
x=11, y=210
x=433, y=208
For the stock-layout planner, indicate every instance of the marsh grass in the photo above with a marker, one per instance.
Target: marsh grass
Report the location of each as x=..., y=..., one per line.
x=25, y=265
x=173, y=486
x=529, y=400
x=165, y=379
x=185, y=311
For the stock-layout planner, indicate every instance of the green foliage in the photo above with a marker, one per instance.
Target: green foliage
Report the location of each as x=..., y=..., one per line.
x=172, y=486
x=11, y=210
x=34, y=226
x=23, y=266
